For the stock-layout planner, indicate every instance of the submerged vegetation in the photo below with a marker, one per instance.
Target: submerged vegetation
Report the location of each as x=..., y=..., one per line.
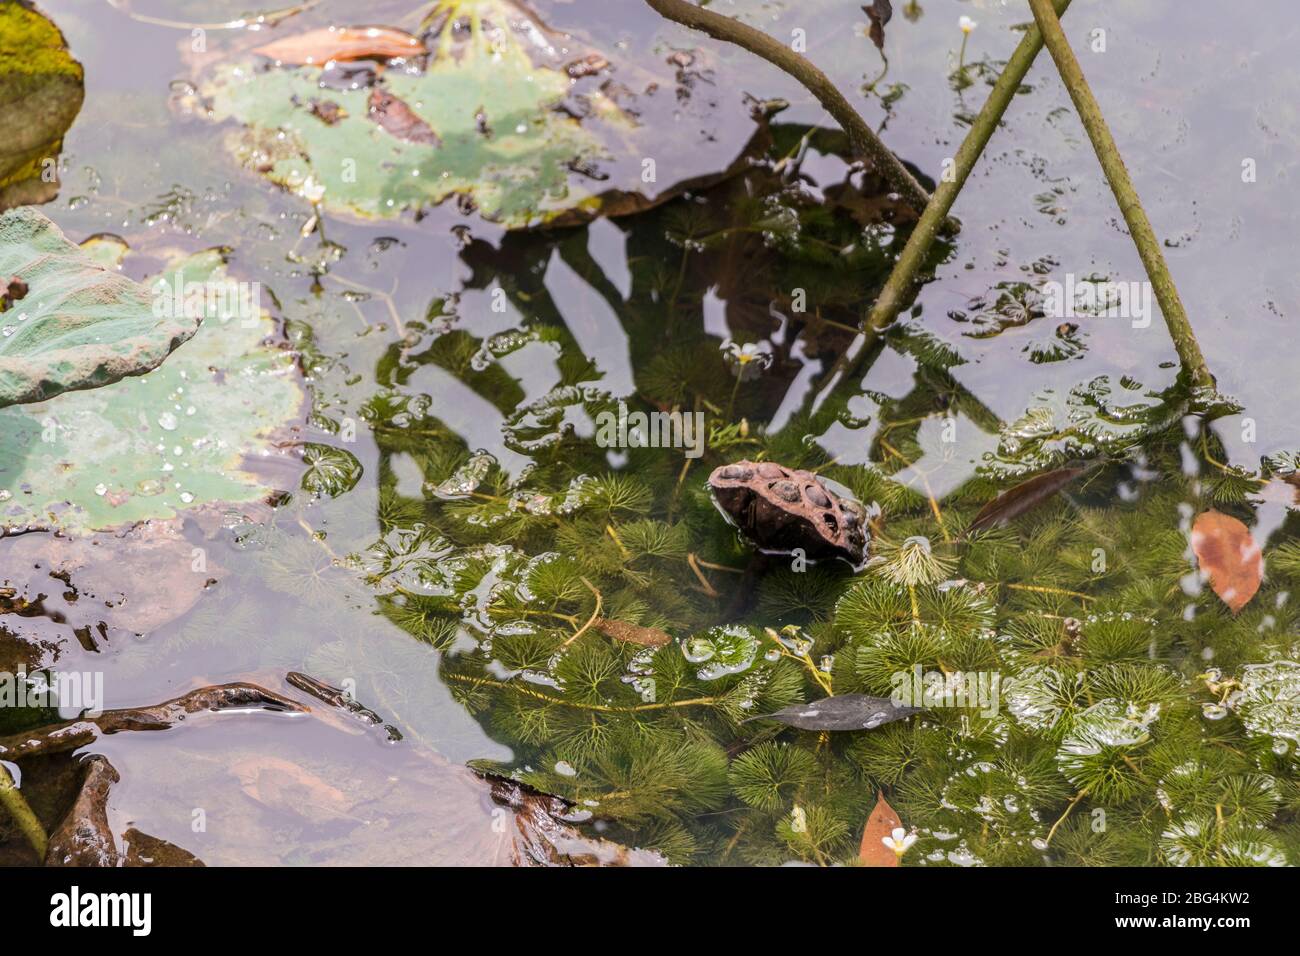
x=1065, y=632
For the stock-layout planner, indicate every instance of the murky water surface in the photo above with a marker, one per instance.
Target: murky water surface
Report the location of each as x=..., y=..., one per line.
x=444, y=521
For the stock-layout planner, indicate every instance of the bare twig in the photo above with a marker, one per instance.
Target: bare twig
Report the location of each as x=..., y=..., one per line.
x=1139, y=227
x=862, y=137
x=898, y=287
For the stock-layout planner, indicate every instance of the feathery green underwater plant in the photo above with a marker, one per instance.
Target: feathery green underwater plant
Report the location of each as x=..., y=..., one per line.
x=1115, y=710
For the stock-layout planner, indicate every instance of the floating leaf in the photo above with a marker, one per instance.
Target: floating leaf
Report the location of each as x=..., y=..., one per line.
x=501, y=117
x=41, y=90
x=1228, y=555
x=138, y=580
x=843, y=712
x=330, y=471
x=1014, y=502
x=77, y=324
x=180, y=437
x=342, y=43
x=728, y=649
x=882, y=823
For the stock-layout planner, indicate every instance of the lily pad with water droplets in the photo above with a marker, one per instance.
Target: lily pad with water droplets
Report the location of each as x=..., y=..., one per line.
x=479, y=122
x=502, y=114
x=183, y=436
x=71, y=322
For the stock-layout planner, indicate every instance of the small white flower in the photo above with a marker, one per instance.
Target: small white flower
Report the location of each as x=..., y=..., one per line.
x=747, y=361
x=966, y=24
x=899, y=840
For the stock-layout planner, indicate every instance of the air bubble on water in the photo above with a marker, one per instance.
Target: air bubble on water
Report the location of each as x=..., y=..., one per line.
x=167, y=421
x=1213, y=711
x=101, y=489
x=186, y=497
x=565, y=769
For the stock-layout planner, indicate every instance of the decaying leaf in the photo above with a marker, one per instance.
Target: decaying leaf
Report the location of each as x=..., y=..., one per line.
x=878, y=12
x=41, y=90
x=631, y=633
x=1014, y=502
x=393, y=115
x=137, y=580
x=342, y=43
x=77, y=324
x=504, y=117
x=289, y=788
x=882, y=822
x=186, y=435
x=843, y=712
x=542, y=837
x=1228, y=556
x=141, y=849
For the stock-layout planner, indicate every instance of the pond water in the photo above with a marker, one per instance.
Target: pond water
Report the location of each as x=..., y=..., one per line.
x=438, y=530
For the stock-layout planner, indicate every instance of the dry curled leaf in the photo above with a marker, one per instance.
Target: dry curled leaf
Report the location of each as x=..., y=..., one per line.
x=882, y=823
x=1228, y=556
x=317, y=47
x=1014, y=502
x=878, y=12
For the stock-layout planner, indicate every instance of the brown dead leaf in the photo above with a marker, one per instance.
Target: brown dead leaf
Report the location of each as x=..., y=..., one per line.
x=631, y=633
x=882, y=823
x=394, y=116
x=1228, y=555
x=139, y=579
x=318, y=47
x=1014, y=502
x=283, y=785
x=878, y=12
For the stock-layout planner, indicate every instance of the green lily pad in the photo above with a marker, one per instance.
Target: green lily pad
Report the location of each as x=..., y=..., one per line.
x=41, y=89
x=181, y=437
x=76, y=324
x=502, y=114
x=478, y=122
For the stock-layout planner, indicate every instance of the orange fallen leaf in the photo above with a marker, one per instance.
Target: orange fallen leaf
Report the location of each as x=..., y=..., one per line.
x=317, y=47
x=1228, y=556
x=882, y=823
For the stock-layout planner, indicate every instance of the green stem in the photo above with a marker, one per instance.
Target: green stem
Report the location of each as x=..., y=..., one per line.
x=21, y=812
x=862, y=137
x=898, y=287
x=1139, y=227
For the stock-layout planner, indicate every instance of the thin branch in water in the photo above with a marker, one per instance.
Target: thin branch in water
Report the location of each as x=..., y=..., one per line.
x=20, y=811
x=1135, y=217
x=898, y=287
x=863, y=138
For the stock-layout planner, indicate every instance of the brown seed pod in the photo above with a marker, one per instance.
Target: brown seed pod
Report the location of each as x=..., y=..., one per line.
x=782, y=510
